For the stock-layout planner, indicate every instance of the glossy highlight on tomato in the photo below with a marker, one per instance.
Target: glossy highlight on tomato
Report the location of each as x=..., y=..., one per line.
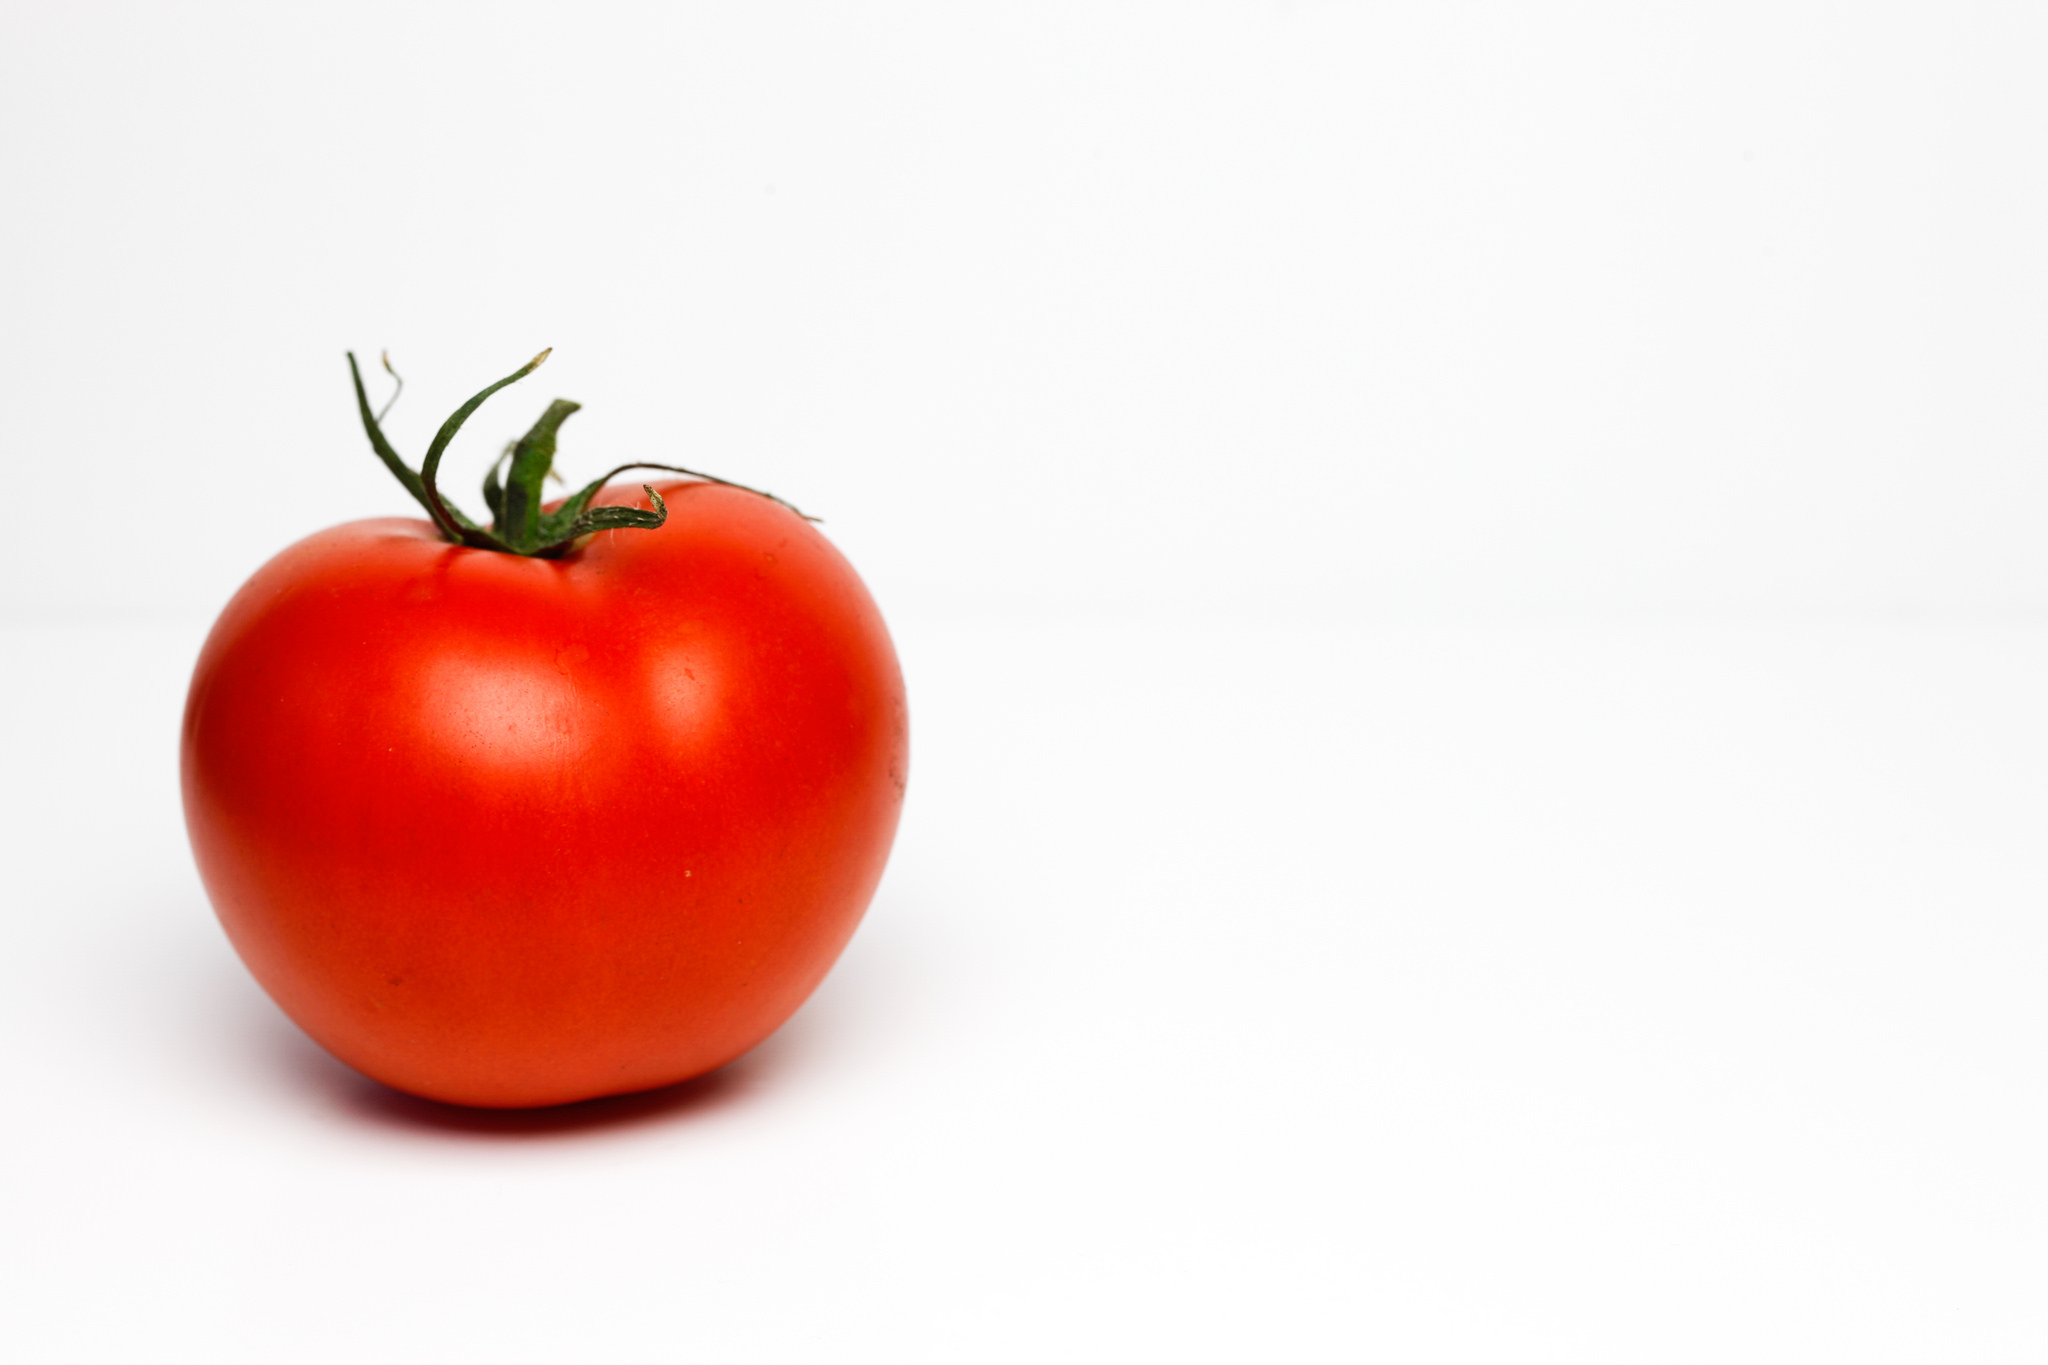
x=504, y=830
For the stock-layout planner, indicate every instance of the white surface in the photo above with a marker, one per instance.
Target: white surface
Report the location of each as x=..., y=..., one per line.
x=1369, y=992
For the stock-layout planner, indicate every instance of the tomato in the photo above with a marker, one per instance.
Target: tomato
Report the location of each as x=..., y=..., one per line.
x=506, y=830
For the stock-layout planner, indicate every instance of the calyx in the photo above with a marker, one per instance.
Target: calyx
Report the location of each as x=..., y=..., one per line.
x=520, y=525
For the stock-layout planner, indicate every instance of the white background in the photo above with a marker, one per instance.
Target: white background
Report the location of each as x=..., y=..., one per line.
x=1472, y=584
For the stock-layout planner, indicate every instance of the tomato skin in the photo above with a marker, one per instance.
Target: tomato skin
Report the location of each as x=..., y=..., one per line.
x=505, y=831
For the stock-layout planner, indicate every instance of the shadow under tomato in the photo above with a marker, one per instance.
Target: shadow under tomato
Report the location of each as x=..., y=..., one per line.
x=358, y=1099
x=379, y=1104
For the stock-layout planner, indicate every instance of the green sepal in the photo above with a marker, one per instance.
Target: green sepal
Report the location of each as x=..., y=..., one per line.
x=610, y=519
x=533, y=457
x=382, y=446
x=554, y=526
x=494, y=493
x=465, y=531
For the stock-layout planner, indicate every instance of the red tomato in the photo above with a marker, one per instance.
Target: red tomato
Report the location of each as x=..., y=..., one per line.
x=512, y=831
